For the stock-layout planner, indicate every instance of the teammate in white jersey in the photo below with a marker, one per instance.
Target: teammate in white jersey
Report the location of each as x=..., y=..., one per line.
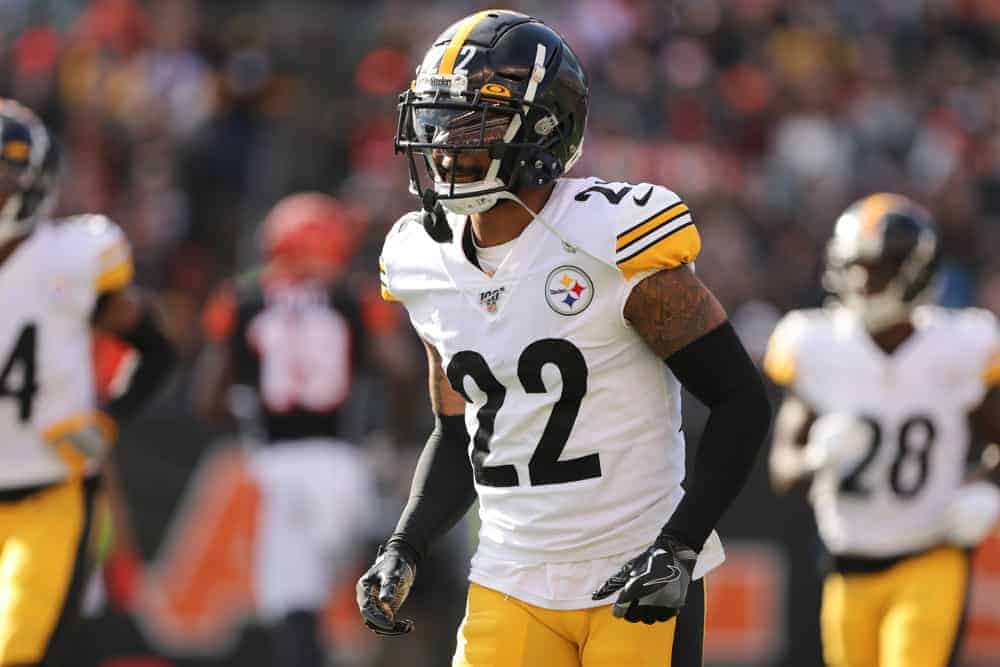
x=58, y=280
x=884, y=396
x=547, y=306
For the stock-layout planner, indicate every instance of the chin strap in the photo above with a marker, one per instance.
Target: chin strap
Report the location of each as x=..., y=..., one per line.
x=434, y=219
x=435, y=222
x=545, y=223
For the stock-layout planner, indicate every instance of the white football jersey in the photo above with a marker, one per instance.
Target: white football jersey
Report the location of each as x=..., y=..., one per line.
x=48, y=288
x=916, y=402
x=575, y=422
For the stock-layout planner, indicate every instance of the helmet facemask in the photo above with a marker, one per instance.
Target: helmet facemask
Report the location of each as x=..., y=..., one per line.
x=442, y=123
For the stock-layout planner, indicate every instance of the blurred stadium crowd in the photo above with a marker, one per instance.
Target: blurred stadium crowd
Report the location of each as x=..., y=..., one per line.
x=186, y=121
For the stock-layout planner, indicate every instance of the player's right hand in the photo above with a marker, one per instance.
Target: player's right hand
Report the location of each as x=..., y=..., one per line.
x=837, y=440
x=383, y=589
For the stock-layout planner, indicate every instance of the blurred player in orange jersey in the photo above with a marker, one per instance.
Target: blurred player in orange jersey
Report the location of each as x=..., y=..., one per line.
x=60, y=282
x=295, y=335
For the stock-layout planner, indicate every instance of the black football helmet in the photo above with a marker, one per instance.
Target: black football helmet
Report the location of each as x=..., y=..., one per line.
x=882, y=258
x=501, y=82
x=28, y=166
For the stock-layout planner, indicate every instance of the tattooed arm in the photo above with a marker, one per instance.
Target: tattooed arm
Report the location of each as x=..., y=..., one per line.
x=683, y=323
x=442, y=489
x=671, y=309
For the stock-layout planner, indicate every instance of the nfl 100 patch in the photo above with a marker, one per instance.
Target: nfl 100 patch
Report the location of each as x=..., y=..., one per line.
x=568, y=290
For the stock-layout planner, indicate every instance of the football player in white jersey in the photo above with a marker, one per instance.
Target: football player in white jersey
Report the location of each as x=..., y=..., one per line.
x=547, y=306
x=884, y=397
x=59, y=279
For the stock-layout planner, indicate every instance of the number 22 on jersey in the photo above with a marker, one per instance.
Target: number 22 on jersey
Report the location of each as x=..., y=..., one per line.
x=545, y=467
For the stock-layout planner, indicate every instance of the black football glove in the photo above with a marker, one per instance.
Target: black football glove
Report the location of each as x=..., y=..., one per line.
x=654, y=584
x=383, y=589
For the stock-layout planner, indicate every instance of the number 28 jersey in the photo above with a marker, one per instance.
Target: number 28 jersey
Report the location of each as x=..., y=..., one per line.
x=916, y=403
x=576, y=443
x=49, y=287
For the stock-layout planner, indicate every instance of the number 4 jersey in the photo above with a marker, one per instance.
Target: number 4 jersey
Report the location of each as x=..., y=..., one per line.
x=916, y=403
x=577, y=446
x=49, y=287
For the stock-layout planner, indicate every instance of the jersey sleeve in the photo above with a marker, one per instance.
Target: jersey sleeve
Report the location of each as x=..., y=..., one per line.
x=399, y=264
x=654, y=231
x=988, y=335
x=782, y=357
x=112, y=267
x=383, y=278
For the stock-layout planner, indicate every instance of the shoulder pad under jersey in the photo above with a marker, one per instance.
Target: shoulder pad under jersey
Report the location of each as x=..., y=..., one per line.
x=795, y=335
x=408, y=258
x=975, y=332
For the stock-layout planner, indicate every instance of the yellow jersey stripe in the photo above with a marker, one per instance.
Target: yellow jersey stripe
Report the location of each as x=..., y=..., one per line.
x=681, y=246
x=80, y=421
x=657, y=243
x=779, y=363
x=991, y=376
x=386, y=294
x=649, y=225
x=447, y=65
x=115, y=277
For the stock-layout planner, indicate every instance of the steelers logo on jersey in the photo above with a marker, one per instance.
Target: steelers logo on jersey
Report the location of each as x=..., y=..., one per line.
x=568, y=290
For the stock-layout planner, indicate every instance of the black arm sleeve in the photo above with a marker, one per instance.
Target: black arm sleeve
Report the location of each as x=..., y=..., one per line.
x=442, y=489
x=719, y=373
x=156, y=356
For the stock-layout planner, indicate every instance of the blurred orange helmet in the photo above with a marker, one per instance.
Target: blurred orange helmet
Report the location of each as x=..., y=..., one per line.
x=307, y=234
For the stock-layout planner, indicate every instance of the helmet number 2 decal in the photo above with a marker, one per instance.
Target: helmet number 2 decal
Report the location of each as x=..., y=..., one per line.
x=465, y=56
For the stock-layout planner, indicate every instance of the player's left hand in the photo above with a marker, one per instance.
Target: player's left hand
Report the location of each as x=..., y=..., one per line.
x=81, y=439
x=654, y=584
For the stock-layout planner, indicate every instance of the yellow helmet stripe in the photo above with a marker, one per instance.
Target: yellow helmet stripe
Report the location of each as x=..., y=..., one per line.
x=874, y=207
x=447, y=65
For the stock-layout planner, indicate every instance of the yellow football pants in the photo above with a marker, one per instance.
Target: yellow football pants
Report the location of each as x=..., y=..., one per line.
x=906, y=616
x=41, y=539
x=502, y=631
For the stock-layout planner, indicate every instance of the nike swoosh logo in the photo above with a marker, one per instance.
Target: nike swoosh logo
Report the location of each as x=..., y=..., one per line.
x=674, y=575
x=641, y=201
